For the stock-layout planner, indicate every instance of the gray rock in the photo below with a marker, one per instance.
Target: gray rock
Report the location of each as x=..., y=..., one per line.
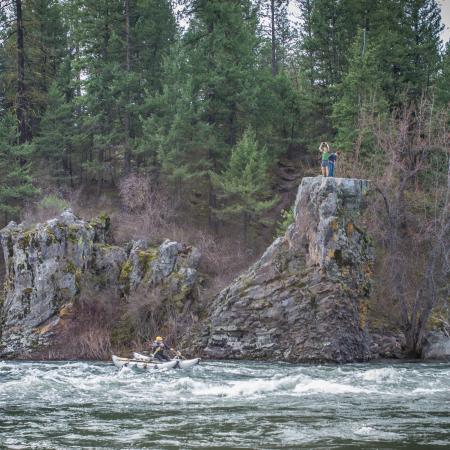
x=168, y=253
x=44, y=266
x=107, y=264
x=436, y=346
x=386, y=345
x=306, y=298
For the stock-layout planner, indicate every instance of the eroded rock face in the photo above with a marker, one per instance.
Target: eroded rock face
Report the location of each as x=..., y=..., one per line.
x=306, y=298
x=46, y=266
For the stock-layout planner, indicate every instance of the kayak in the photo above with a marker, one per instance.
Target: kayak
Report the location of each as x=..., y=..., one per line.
x=127, y=362
x=188, y=363
x=182, y=363
x=141, y=357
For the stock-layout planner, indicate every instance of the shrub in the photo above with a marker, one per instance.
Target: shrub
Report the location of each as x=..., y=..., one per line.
x=287, y=218
x=53, y=203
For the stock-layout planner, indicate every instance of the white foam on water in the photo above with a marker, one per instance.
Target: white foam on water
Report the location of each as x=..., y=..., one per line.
x=429, y=391
x=295, y=435
x=327, y=387
x=365, y=431
x=245, y=388
x=374, y=433
x=131, y=406
x=385, y=374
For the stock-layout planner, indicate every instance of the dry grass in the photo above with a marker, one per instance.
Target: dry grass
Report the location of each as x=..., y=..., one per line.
x=150, y=213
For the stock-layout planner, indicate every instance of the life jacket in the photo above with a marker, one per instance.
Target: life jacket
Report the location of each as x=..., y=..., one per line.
x=158, y=344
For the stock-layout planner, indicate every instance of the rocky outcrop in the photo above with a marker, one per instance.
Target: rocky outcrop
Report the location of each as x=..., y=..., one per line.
x=306, y=299
x=47, y=265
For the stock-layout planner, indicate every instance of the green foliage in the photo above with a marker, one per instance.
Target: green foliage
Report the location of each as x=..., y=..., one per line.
x=45, y=40
x=54, y=144
x=361, y=100
x=442, y=93
x=16, y=184
x=113, y=86
x=53, y=203
x=245, y=182
x=287, y=218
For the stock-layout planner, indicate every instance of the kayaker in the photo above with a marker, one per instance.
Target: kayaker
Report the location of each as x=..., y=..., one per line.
x=158, y=349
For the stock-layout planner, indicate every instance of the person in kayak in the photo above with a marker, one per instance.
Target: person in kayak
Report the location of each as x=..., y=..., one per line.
x=325, y=150
x=158, y=349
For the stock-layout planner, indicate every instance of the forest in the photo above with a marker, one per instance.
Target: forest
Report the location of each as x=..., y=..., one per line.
x=198, y=118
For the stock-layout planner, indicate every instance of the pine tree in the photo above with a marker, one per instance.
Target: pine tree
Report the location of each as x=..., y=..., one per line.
x=443, y=80
x=16, y=186
x=54, y=143
x=361, y=99
x=244, y=184
x=34, y=46
x=120, y=46
x=276, y=31
x=212, y=79
x=407, y=35
x=422, y=44
x=328, y=29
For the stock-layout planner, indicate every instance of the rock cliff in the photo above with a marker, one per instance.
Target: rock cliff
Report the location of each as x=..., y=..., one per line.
x=47, y=264
x=306, y=298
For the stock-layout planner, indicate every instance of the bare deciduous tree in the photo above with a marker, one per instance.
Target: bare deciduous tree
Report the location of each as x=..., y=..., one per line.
x=412, y=219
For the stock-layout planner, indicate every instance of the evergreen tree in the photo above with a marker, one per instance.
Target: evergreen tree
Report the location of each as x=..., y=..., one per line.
x=34, y=46
x=422, y=44
x=361, y=100
x=212, y=78
x=16, y=185
x=120, y=48
x=276, y=30
x=53, y=145
x=244, y=184
x=407, y=36
x=328, y=29
x=442, y=94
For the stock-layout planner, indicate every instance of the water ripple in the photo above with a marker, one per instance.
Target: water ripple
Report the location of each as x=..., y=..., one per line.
x=224, y=405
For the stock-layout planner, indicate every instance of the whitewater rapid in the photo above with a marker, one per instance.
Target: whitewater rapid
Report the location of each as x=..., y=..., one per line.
x=226, y=405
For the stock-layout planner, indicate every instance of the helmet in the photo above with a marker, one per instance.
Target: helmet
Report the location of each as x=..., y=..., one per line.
x=159, y=338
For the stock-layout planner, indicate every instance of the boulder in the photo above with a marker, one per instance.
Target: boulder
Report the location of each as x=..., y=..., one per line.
x=436, y=346
x=306, y=299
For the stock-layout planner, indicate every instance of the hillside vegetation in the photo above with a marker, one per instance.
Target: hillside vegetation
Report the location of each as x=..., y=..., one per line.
x=195, y=120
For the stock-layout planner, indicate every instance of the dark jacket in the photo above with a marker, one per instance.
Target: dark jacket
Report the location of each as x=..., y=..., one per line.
x=158, y=350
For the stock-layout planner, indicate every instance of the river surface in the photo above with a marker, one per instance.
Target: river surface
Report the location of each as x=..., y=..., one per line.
x=224, y=405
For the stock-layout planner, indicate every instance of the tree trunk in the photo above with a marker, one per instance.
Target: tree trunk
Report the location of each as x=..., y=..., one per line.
x=22, y=116
x=274, y=50
x=127, y=159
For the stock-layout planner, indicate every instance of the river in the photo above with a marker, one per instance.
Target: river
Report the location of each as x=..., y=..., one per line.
x=224, y=405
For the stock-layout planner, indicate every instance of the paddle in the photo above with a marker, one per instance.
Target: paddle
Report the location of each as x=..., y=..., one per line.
x=177, y=353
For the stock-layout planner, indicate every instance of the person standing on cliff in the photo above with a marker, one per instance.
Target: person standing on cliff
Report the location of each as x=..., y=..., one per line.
x=324, y=148
x=331, y=162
